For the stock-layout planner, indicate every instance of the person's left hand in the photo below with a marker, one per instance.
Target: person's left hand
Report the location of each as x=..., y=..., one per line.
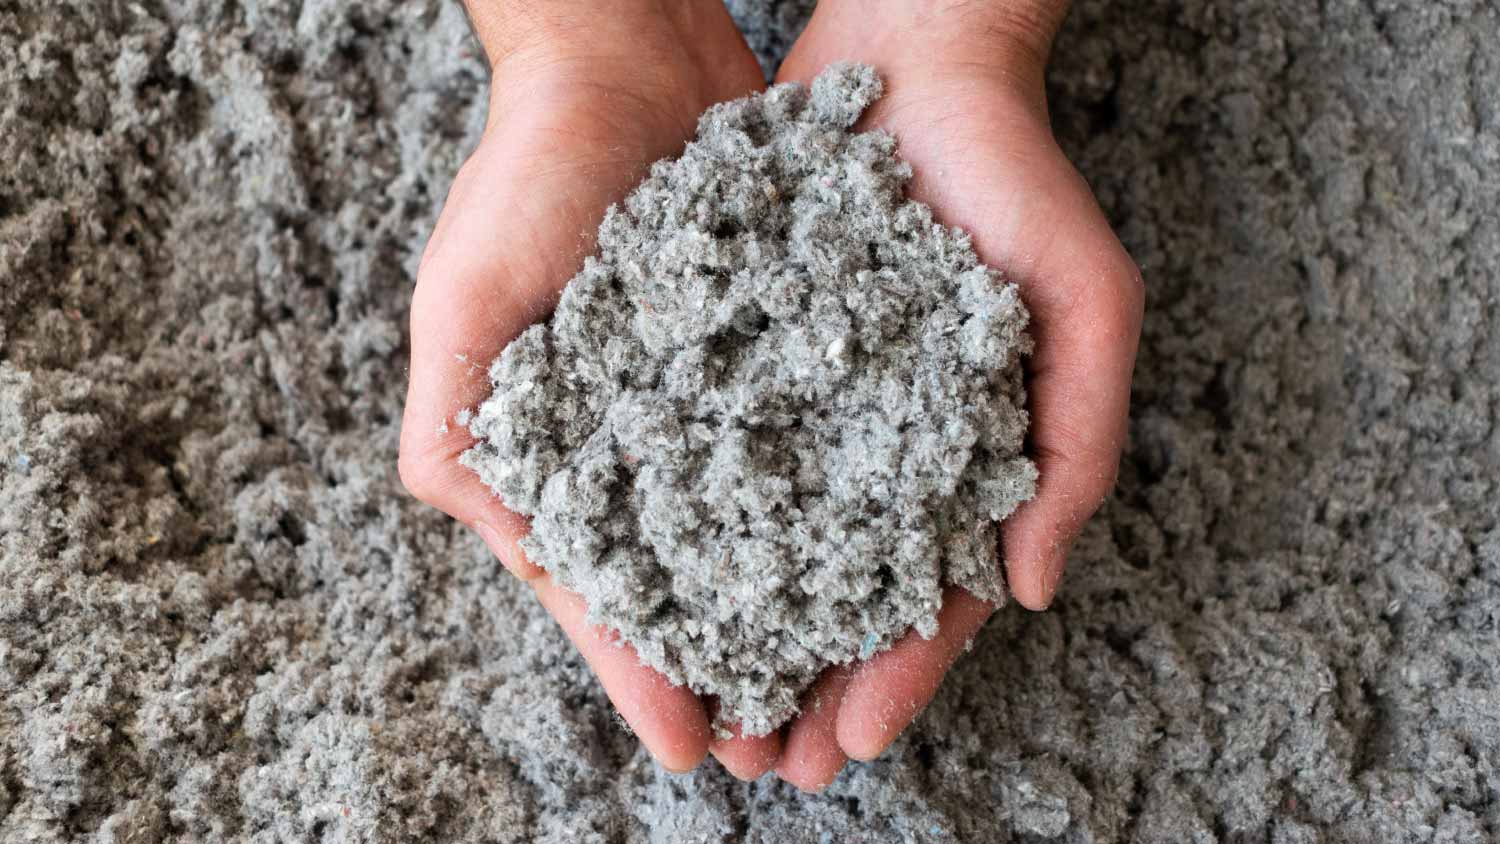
x=965, y=101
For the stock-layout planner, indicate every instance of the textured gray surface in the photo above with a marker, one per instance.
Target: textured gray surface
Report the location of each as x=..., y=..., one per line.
x=220, y=617
x=770, y=27
x=775, y=414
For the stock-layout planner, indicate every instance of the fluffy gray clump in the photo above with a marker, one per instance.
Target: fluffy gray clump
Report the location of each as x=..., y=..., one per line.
x=770, y=27
x=777, y=412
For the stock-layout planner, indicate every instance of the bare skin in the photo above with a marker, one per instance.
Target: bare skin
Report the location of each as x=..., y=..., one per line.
x=585, y=96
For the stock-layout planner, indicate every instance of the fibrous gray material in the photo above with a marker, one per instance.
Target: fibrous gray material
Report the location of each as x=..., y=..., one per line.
x=222, y=620
x=777, y=412
x=770, y=27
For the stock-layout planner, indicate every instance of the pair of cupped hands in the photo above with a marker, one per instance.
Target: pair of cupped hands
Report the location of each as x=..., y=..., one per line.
x=585, y=95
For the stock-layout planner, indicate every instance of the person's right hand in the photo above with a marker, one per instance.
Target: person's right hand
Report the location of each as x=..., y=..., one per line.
x=585, y=95
x=965, y=100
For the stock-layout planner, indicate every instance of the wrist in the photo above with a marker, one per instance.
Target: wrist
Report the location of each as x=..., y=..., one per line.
x=1008, y=38
x=512, y=31
x=647, y=52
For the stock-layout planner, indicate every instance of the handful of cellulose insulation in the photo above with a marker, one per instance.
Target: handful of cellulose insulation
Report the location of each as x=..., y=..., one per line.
x=777, y=412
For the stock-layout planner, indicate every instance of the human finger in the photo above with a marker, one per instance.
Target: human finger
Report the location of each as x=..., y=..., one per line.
x=669, y=720
x=746, y=757
x=811, y=758
x=890, y=689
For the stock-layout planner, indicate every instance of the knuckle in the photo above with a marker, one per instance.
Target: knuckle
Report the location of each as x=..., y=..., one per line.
x=424, y=266
x=1106, y=474
x=1133, y=285
x=416, y=475
x=1116, y=267
x=1109, y=474
x=1094, y=461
